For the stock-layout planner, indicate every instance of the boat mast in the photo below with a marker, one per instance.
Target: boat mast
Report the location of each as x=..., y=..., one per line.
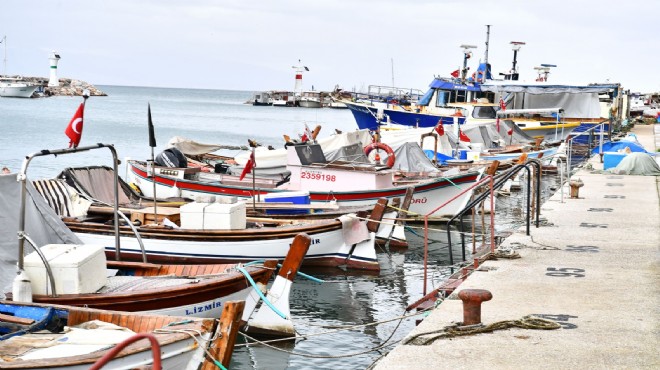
x=392, y=60
x=4, y=68
x=487, y=40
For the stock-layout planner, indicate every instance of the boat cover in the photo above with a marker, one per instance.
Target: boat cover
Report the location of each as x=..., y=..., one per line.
x=41, y=224
x=637, y=164
x=409, y=157
x=96, y=182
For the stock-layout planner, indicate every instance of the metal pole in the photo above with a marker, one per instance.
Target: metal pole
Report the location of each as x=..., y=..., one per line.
x=115, y=188
x=153, y=179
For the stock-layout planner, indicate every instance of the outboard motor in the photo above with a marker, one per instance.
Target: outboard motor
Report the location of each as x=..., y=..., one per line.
x=171, y=157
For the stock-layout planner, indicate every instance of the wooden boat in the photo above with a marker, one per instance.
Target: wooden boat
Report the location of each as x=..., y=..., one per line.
x=34, y=336
x=177, y=290
x=83, y=278
x=342, y=182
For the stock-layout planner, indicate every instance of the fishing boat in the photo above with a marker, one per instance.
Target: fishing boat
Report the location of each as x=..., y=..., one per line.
x=445, y=102
x=580, y=104
x=345, y=183
x=35, y=336
x=310, y=99
x=14, y=87
x=87, y=278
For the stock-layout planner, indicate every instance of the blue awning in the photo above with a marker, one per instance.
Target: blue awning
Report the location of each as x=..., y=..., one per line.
x=446, y=85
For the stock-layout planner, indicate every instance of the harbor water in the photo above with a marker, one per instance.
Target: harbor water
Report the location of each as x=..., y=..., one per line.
x=331, y=316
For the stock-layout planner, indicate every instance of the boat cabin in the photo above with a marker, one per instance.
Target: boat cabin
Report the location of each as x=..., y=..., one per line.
x=311, y=170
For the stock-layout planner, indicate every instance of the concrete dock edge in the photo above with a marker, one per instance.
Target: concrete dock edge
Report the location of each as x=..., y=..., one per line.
x=593, y=267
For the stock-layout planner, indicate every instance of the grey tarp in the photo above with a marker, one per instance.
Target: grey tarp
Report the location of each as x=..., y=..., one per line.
x=637, y=163
x=409, y=157
x=488, y=135
x=41, y=224
x=97, y=182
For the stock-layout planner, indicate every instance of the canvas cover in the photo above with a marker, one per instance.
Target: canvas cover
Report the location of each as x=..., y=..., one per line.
x=637, y=164
x=409, y=157
x=41, y=224
x=96, y=182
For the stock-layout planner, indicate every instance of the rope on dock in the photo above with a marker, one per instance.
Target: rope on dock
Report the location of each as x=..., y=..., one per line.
x=452, y=331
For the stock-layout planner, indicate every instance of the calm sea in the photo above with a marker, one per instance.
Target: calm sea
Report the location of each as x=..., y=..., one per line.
x=221, y=117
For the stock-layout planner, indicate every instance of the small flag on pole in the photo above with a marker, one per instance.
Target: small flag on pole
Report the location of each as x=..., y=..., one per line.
x=463, y=137
x=248, y=166
x=152, y=136
x=75, y=127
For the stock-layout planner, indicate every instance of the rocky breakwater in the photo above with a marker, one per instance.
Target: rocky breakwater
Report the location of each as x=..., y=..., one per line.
x=68, y=87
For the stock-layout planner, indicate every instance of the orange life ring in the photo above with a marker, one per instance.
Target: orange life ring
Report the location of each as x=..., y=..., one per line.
x=381, y=146
x=439, y=128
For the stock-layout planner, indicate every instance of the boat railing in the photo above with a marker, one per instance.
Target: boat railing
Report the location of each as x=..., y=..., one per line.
x=486, y=179
x=22, y=177
x=590, y=132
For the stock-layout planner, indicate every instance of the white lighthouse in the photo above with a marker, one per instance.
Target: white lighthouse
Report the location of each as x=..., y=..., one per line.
x=299, y=72
x=54, y=58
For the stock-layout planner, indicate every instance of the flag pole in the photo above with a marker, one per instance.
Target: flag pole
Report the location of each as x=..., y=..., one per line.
x=254, y=182
x=152, y=144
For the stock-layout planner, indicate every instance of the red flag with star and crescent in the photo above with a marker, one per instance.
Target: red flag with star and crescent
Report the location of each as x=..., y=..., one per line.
x=251, y=163
x=75, y=127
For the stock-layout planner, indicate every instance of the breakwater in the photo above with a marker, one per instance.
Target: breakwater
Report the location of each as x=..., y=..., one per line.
x=67, y=87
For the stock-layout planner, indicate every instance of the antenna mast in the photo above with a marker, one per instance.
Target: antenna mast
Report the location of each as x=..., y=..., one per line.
x=487, y=41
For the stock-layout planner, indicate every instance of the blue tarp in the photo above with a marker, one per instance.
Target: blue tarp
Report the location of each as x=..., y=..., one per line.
x=442, y=159
x=446, y=85
x=619, y=145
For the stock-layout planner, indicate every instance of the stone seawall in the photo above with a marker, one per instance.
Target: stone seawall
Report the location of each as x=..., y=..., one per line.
x=68, y=87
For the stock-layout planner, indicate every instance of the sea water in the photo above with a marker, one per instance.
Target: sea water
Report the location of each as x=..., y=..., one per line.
x=329, y=315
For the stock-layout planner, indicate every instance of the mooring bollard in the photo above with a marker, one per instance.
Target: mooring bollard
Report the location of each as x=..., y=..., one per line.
x=472, y=299
x=575, y=188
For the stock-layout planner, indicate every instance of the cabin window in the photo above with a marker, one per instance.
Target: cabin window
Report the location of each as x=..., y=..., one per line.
x=458, y=96
x=441, y=99
x=484, y=112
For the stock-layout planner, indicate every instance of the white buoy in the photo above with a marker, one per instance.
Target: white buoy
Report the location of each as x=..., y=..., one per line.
x=22, y=288
x=54, y=58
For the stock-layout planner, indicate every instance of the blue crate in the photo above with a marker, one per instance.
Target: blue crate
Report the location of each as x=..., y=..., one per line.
x=295, y=197
x=612, y=159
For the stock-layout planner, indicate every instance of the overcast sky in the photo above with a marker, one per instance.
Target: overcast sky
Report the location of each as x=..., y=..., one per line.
x=252, y=45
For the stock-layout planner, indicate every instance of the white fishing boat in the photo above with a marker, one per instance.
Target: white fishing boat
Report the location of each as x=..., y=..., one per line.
x=310, y=99
x=14, y=87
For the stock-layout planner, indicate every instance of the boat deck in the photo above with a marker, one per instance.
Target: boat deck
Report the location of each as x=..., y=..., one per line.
x=593, y=268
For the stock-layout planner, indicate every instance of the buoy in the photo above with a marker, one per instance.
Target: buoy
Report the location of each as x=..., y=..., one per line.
x=381, y=146
x=22, y=288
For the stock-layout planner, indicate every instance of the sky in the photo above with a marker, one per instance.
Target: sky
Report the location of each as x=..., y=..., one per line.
x=252, y=45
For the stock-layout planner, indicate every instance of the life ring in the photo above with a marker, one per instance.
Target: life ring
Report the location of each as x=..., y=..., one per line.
x=439, y=128
x=381, y=146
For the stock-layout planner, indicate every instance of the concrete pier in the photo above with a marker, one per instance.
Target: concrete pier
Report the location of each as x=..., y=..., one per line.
x=594, y=268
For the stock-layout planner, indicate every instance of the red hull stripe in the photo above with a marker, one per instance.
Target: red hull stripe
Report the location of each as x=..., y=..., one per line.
x=246, y=192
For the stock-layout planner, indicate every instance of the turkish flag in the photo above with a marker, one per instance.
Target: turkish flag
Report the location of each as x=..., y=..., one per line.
x=248, y=166
x=75, y=127
x=510, y=132
x=463, y=137
x=455, y=73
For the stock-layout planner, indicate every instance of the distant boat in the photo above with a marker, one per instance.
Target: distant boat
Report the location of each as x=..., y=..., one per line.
x=14, y=87
x=310, y=99
x=262, y=99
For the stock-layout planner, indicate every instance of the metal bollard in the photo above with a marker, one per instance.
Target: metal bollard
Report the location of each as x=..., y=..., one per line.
x=575, y=188
x=472, y=299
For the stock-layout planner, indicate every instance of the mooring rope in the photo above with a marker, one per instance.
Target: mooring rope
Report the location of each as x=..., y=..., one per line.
x=451, y=331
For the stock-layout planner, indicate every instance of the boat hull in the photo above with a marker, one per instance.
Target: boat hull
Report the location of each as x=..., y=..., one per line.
x=16, y=90
x=328, y=248
x=309, y=104
x=428, y=194
x=365, y=117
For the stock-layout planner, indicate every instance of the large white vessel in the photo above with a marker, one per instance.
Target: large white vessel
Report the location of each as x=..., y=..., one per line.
x=14, y=87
